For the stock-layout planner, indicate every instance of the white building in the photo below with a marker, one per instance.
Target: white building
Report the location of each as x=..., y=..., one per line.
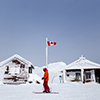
x=15, y=70
x=82, y=70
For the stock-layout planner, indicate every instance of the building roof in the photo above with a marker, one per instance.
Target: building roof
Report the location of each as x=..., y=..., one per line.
x=19, y=58
x=83, y=63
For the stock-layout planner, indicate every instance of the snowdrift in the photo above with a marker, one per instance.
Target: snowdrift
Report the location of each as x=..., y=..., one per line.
x=54, y=70
x=34, y=78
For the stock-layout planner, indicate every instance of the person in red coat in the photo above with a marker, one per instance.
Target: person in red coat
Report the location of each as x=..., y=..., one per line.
x=46, y=79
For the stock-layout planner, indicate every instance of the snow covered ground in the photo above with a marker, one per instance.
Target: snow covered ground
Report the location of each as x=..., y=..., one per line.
x=67, y=91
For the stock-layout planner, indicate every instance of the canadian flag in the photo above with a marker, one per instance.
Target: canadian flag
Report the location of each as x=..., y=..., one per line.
x=51, y=43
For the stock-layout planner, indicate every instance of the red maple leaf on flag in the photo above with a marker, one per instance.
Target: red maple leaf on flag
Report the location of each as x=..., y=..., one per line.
x=50, y=43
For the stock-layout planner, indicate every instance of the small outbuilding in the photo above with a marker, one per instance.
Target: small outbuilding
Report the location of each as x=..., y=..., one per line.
x=82, y=70
x=15, y=70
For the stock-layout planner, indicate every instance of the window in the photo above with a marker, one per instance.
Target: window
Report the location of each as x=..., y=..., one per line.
x=88, y=75
x=22, y=66
x=78, y=75
x=30, y=69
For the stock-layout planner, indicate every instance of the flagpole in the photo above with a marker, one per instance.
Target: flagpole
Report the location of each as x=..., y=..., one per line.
x=46, y=53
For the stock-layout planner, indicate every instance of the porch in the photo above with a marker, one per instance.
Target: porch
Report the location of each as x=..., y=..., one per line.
x=83, y=75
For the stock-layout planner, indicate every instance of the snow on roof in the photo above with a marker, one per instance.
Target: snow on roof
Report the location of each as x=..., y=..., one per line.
x=82, y=62
x=16, y=56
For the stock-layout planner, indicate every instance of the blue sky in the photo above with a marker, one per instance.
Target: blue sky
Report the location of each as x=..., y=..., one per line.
x=73, y=24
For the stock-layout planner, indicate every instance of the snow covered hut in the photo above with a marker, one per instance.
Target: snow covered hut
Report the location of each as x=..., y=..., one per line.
x=15, y=70
x=82, y=70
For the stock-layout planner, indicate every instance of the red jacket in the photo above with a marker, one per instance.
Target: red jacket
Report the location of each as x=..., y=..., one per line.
x=46, y=75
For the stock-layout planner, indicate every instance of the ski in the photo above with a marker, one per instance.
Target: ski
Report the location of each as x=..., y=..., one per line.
x=45, y=93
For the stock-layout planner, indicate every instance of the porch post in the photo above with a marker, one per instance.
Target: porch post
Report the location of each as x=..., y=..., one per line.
x=94, y=75
x=64, y=76
x=82, y=75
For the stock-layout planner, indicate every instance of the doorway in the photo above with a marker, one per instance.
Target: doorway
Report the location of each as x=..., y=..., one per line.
x=97, y=75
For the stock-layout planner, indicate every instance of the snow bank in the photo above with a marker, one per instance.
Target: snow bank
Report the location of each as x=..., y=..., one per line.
x=34, y=78
x=54, y=70
x=56, y=67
